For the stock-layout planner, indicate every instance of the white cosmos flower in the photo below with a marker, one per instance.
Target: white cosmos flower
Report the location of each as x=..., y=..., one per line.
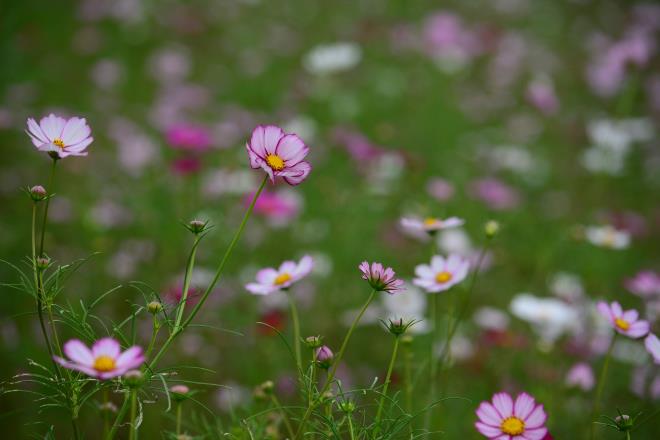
x=607, y=236
x=549, y=317
x=332, y=58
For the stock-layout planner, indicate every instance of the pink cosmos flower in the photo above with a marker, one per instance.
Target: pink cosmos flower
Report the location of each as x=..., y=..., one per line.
x=504, y=419
x=279, y=207
x=105, y=360
x=652, y=344
x=440, y=189
x=624, y=322
x=279, y=154
x=380, y=278
x=188, y=137
x=431, y=224
x=580, y=375
x=645, y=284
x=442, y=273
x=60, y=137
x=541, y=94
x=271, y=280
x=495, y=194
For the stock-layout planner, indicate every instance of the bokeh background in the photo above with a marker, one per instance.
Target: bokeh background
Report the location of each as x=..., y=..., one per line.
x=541, y=115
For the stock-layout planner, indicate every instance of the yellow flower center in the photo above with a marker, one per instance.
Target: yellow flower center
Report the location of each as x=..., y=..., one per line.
x=282, y=278
x=512, y=426
x=622, y=324
x=275, y=162
x=104, y=364
x=59, y=142
x=443, y=277
x=431, y=221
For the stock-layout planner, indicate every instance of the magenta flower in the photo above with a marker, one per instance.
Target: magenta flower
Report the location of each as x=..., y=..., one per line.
x=271, y=280
x=431, y=224
x=442, y=273
x=380, y=278
x=105, y=360
x=652, y=344
x=624, y=322
x=60, y=137
x=504, y=419
x=278, y=154
x=645, y=284
x=189, y=137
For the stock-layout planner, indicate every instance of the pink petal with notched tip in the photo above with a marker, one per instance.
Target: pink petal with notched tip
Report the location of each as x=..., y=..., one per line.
x=80, y=146
x=131, y=358
x=259, y=289
x=605, y=311
x=295, y=174
x=266, y=276
x=487, y=430
x=304, y=267
x=503, y=404
x=438, y=263
x=488, y=414
x=75, y=366
x=106, y=347
x=291, y=149
x=52, y=126
x=534, y=434
x=536, y=418
x=630, y=316
x=78, y=352
x=638, y=329
x=75, y=131
x=264, y=139
x=617, y=311
x=523, y=406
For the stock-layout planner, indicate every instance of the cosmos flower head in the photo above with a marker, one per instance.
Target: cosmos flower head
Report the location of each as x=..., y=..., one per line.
x=624, y=322
x=430, y=225
x=104, y=361
x=581, y=376
x=608, y=237
x=279, y=154
x=60, y=137
x=442, y=273
x=380, y=278
x=189, y=137
x=645, y=284
x=504, y=419
x=271, y=280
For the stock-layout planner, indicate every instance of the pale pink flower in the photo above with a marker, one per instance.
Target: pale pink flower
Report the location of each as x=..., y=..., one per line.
x=271, y=280
x=645, y=284
x=624, y=322
x=431, y=224
x=279, y=154
x=504, y=419
x=541, y=94
x=652, y=344
x=581, y=376
x=104, y=361
x=440, y=189
x=495, y=193
x=279, y=207
x=380, y=278
x=60, y=137
x=442, y=273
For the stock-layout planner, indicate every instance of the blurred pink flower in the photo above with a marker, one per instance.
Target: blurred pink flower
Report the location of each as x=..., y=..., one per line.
x=645, y=284
x=380, y=278
x=278, y=154
x=652, y=344
x=446, y=37
x=431, y=224
x=358, y=146
x=624, y=322
x=271, y=280
x=105, y=360
x=189, y=137
x=275, y=206
x=581, y=376
x=442, y=273
x=60, y=137
x=495, y=193
x=504, y=419
x=440, y=189
x=184, y=166
x=541, y=94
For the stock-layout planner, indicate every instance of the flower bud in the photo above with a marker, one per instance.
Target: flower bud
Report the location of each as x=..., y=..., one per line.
x=154, y=307
x=398, y=326
x=324, y=357
x=491, y=228
x=313, y=341
x=346, y=406
x=624, y=422
x=179, y=392
x=43, y=263
x=196, y=226
x=133, y=378
x=37, y=193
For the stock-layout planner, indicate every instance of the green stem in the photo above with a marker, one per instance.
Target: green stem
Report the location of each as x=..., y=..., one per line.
x=215, y=280
x=407, y=371
x=601, y=385
x=312, y=379
x=133, y=427
x=45, y=218
x=120, y=417
x=350, y=426
x=433, y=363
x=39, y=287
x=336, y=362
x=154, y=335
x=387, y=382
x=186, y=283
x=285, y=417
x=178, y=418
x=296, y=332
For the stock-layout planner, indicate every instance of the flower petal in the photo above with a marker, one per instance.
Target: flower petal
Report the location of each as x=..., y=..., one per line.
x=266, y=276
x=291, y=149
x=488, y=414
x=106, y=347
x=297, y=173
x=131, y=358
x=75, y=131
x=523, y=406
x=78, y=352
x=535, y=434
x=75, y=366
x=264, y=139
x=52, y=126
x=487, y=430
x=536, y=419
x=503, y=404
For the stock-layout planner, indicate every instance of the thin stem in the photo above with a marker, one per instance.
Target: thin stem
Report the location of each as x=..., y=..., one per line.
x=285, y=417
x=178, y=418
x=433, y=364
x=215, y=280
x=120, y=416
x=387, y=382
x=133, y=427
x=601, y=385
x=335, y=364
x=45, y=218
x=350, y=426
x=186, y=283
x=154, y=333
x=39, y=287
x=407, y=372
x=296, y=331
x=106, y=419
x=312, y=378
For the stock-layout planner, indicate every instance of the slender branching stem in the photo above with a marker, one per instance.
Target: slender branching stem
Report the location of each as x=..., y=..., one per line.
x=350, y=426
x=133, y=427
x=120, y=416
x=601, y=386
x=296, y=331
x=186, y=284
x=45, y=218
x=386, y=385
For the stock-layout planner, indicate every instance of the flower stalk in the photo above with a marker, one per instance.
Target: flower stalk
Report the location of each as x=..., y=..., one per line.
x=387, y=381
x=601, y=385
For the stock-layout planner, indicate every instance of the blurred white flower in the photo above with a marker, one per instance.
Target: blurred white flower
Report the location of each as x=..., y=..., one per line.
x=490, y=318
x=607, y=236
x=567, y=286
x=332, y=58
x=549, y=317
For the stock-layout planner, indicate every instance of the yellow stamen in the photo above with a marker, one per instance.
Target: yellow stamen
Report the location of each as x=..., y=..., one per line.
x=431, y=221
x=443, y=277
x=622, y=324
x=104, y=364
x=59, y=142
x=512, y=426
x=282, y=278
x=275, y=162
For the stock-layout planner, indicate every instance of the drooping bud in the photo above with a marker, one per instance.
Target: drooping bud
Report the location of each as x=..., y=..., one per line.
x=197, y=226
x=179, y=392
x=313, y=341
x=491, y=228
x=133, y=378
x=154, y=307
x=324, y=357
x=37, y=193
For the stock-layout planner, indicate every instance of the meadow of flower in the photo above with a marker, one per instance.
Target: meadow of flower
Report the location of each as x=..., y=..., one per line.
x=355, y=220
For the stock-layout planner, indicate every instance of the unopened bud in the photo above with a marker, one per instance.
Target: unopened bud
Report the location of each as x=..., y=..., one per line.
x=398, y=326
x=346, y=406
x=180, y=392
x=38, y=193
x=324, y=357
x=196, y=226
x=43, y=263
x=133, y=378
x=313, y=341
x=154, y=307
x=491, y=228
